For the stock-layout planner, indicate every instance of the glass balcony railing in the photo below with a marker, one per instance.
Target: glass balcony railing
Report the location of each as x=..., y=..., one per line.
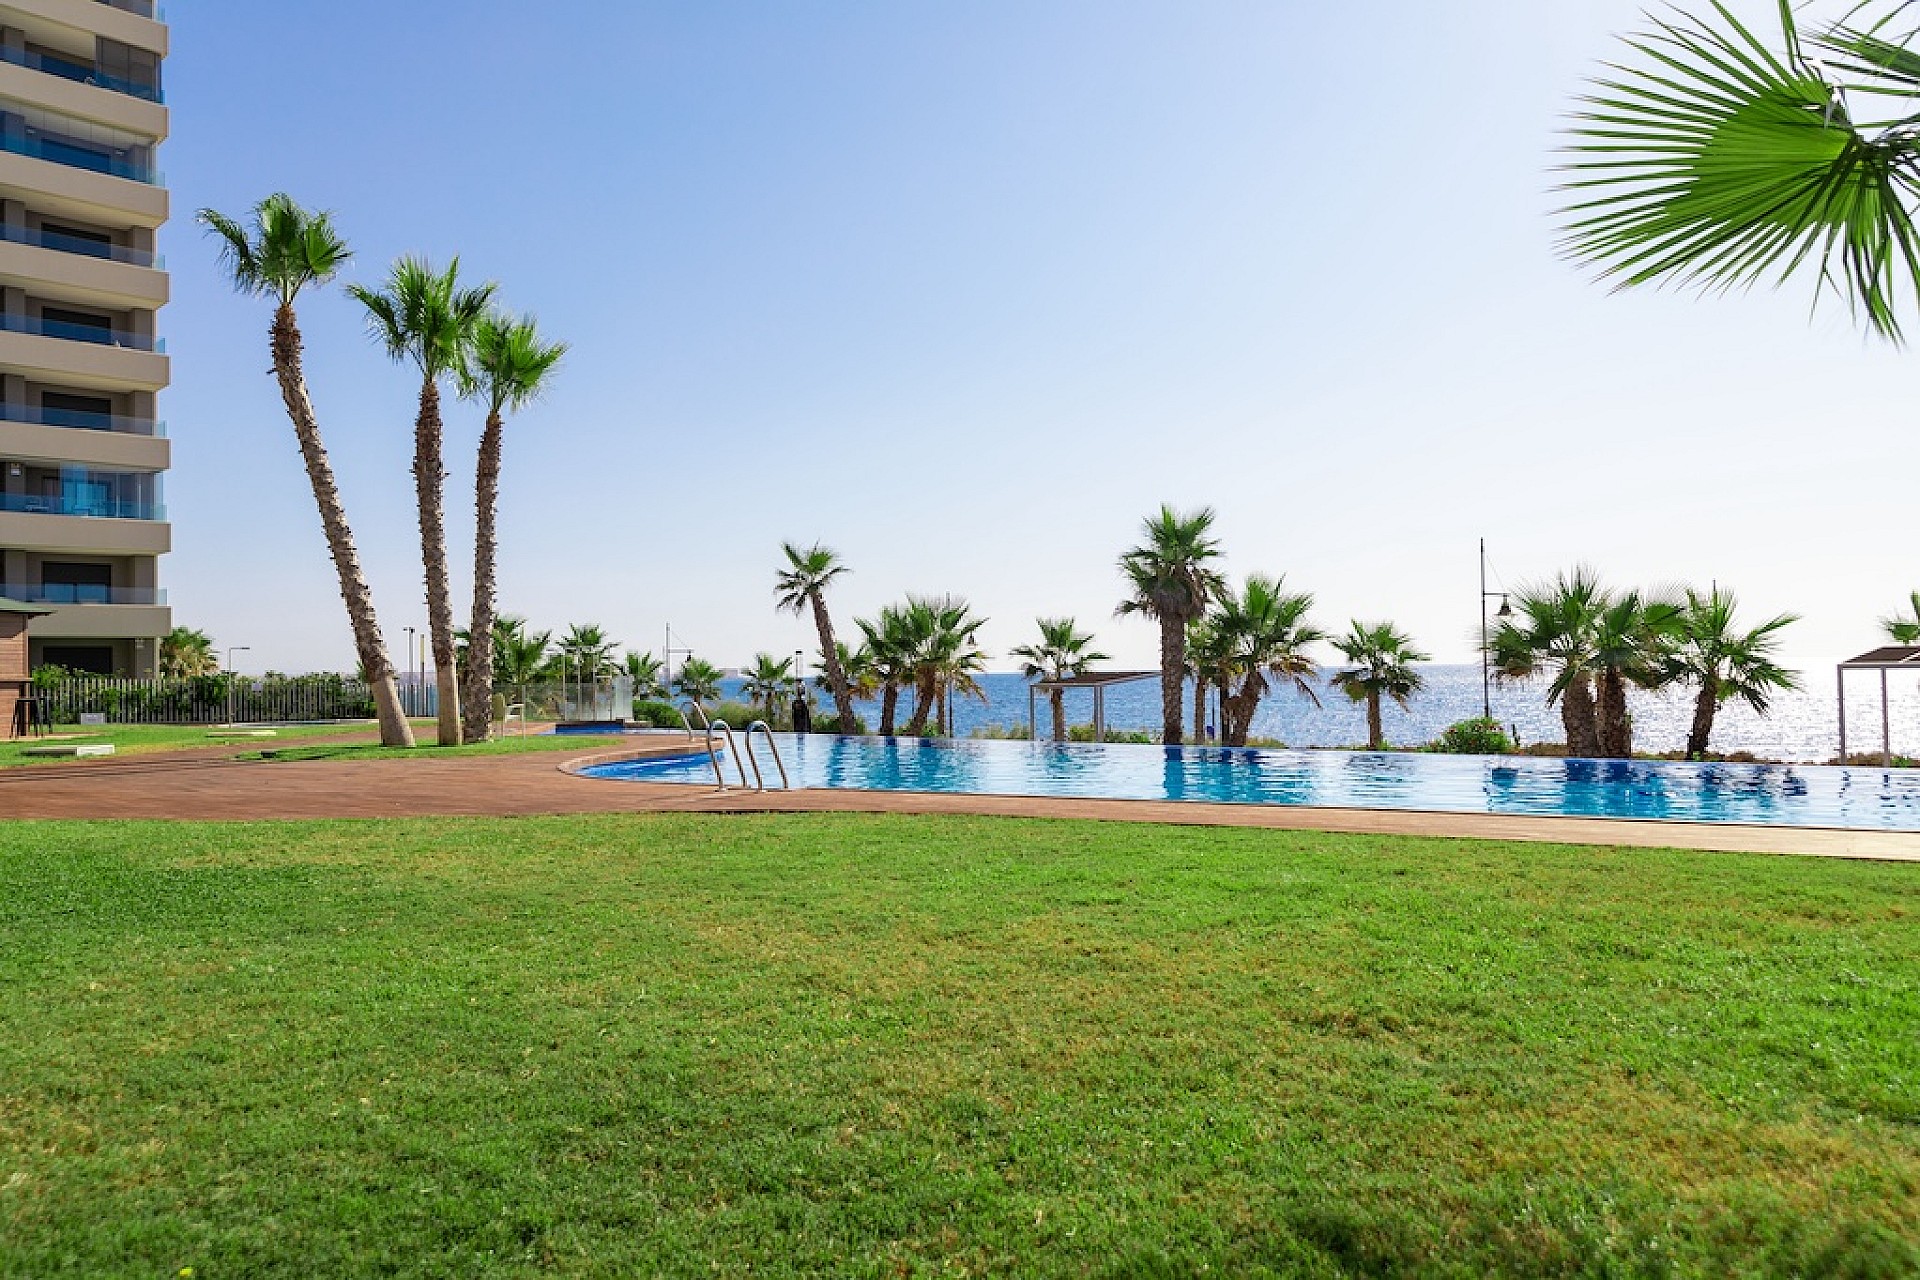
x=105, y=508
x=81, y=419
x=100, y=335
x=80, y=593
x=80, y=245
x=144, y=8
x=80, y=155
x=80, y=73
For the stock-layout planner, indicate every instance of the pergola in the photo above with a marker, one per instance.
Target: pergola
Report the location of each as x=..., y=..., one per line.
x=1098, y=681
x=1893, y=657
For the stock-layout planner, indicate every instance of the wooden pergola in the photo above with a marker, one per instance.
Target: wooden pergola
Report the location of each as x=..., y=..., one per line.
x=1098, y=681
x=1893, y=657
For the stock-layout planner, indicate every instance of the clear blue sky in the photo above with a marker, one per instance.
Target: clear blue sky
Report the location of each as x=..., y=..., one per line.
x=965, y=290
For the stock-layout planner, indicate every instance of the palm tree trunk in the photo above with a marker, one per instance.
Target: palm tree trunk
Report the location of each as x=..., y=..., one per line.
x=1577, y=714
x=1240, y=710
x=1614, y=724
x=429, y=482
x=1704, y=708
x=1376, y=736
x=1173, y=677
x=830, y=659
x=889, y=708
x=354, y=591
x=1199, y=707
x=1057, y=699
x=923, y=696
x=478, y=699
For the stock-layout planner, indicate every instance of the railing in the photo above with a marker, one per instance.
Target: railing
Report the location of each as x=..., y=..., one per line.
x=142, y=8
x=104, y=508
x=82, y=419
x=81, y=73
x=205, y=699
x=79, y=155
x=80, y=245
x=739, y=762
x=80, y=593
x=786, y=783
x=97, y=334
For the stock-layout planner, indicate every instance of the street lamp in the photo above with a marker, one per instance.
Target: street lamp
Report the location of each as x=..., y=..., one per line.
x=413, y=683
x=231, y=650
x=1505, y=611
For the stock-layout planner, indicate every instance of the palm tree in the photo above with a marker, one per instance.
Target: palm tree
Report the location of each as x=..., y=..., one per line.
x=1265, y=632
x=697, y=679
x=1631, y=638
x=1724, y=662
x=1382, y=656
x=509, y=366
x=519, y=657
x=186, y=652
x=286, y=249
x=643, y=670
x=1721, y=162
x=1210, y=663
x=1064, y=651
x=940, y=633
x=426, y=317
x=587, y=652
x=1551, y=634
x=1171, y=581
x=1904, y=629
x=889, y=645
x=802, y=585
x=769, y=680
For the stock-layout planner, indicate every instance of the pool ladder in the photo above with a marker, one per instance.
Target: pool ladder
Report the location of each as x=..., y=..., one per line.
x=743, y=758
x=697, y=710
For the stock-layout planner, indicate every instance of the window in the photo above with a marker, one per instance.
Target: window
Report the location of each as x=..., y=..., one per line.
x=64, y=582
x=93, y=659
x=77, y=240
x=60, y=409
x=58, y=322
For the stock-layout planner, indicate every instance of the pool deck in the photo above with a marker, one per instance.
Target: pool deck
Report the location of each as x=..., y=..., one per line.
x=203, y=785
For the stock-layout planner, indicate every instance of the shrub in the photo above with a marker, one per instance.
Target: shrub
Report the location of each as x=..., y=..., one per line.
x=1000, y=732
x=831, y=724
x=656, y=713
x=1479, y=736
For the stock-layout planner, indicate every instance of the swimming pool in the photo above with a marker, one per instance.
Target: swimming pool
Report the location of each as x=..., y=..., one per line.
x=1773, y=795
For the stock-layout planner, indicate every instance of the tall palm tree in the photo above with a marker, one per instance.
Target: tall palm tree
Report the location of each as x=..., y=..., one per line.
x=940, y=634
x=508, y=367
x=425, y=317
x=185, y=652
x=587, y=651
x=802, y=585
x=1720, y=161
x=643, y=669
x=519, y=656
x=1210, y=663
x=1904, y=629
x=1632, y=634
x=890, y=646
x=285, y=249
x=1170, y=579
x=1266, y=632
x=769, y=680
x=1382, y=656
x=697, y=679
x=1552, y=634
x=1725, y=662
x=1064, y=651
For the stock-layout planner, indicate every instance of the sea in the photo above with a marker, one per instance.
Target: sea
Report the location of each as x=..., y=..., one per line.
x=1800, y=726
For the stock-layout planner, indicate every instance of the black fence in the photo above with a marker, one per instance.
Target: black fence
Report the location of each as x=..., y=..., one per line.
x=205, y=699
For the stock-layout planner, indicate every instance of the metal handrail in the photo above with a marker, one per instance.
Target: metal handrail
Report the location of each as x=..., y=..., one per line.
x=684, y=723
x=694, y=703
x=786, y=784
x=713, y=755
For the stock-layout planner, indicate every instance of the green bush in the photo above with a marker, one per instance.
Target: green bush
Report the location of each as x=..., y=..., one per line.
x=831, y=724
x=1476, y=737
x=656, y=713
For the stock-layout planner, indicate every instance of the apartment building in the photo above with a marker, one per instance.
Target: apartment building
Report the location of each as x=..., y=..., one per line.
x=82, y=451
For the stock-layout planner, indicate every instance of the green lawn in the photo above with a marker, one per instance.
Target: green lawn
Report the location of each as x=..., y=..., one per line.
x=132, y=739
x=513, y=744
x=879, y=1046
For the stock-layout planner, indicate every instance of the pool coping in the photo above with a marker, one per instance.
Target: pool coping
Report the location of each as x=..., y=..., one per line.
x=1646, y=833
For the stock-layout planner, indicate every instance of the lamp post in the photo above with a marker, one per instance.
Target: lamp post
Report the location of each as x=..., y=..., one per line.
x=1505, y=611
x=412, y=682
x=231, y=650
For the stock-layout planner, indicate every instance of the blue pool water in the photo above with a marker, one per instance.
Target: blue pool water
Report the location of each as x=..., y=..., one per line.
x=1777, y=795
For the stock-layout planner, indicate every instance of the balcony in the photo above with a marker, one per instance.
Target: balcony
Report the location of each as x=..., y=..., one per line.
x=82, y=420
x=99, y=335
x=76, y=155
x=94, y=506
x=80, y=245
x=139, y=8
x=65, y=593
x=80, y=73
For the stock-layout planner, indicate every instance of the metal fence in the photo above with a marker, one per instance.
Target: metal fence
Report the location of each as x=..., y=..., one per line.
x=215, y=699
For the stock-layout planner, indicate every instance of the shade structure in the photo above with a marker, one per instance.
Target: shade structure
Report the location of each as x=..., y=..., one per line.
x=1098, y=681
x=1892, y=657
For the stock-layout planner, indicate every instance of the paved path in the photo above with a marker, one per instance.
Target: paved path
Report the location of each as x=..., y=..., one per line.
x=200, y=785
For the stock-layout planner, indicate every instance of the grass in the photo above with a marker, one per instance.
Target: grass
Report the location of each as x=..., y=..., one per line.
x=883, y=1045
x=580, y=743
x=133, y=739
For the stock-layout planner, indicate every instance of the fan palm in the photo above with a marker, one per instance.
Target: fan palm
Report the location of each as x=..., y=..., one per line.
x=1264, y=630
x=187, y=652
x=643, y=670
x=889, y=645
x=426, y=317
x=939, y=634
x=1382, y=656
x=1064, y=651
x=1904, y=629
x=508, y=367
x=769, y=680
x=802, y=585
x=1721, y=162
x=1210, y=663
x=1170, y=580
x=697, y=679
x=587, y=652
x=1632, y=635
x=1725, y=663
x=519, y=656
x=1551, y=635
x=285, y=249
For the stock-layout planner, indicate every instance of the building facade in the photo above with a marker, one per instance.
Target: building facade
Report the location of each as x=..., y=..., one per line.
x=82, y=449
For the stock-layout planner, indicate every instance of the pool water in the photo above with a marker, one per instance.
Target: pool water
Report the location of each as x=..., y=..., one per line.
x=1775, y=795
